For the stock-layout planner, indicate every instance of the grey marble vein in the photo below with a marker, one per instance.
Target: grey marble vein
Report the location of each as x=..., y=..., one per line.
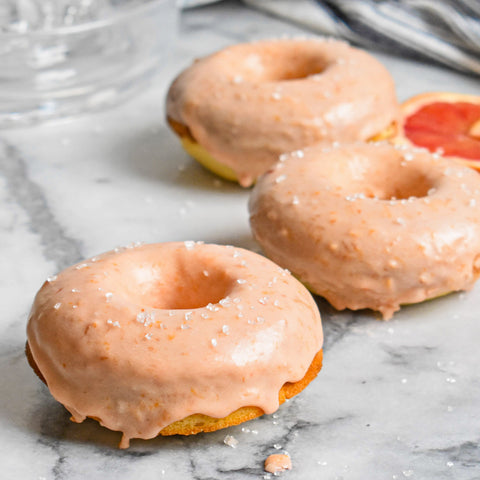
x=57, y=245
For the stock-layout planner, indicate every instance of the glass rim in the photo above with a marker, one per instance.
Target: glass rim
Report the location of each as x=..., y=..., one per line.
x=116, y=17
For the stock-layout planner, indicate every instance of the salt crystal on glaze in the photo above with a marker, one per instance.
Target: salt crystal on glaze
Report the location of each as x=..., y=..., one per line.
x=189, y=244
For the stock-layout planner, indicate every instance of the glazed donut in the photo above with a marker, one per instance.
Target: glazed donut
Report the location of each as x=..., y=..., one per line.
x=237, y=110
x=371, y=225
x=174, y=338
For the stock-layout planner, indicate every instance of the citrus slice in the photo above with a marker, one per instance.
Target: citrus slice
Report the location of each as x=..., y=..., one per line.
x=447, y=123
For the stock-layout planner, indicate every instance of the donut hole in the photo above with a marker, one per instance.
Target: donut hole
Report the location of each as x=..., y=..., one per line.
x=388, y=179
x=403, y=187
x=264, y=66
x=179, y=286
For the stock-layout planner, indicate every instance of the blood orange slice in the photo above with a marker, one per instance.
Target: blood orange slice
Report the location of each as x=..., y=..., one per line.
x=448, y=123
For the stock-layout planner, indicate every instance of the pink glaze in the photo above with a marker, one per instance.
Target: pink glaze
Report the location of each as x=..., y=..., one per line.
x=249, y=103
x=277, y=463
x=371, y=225
x=144, y=336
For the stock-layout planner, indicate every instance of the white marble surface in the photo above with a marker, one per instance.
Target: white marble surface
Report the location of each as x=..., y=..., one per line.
x=395, y=400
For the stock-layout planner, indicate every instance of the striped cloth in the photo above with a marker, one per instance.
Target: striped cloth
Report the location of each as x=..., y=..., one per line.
x=445, y=31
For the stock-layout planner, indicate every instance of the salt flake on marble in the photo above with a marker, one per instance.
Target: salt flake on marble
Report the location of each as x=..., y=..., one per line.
x=231, y=441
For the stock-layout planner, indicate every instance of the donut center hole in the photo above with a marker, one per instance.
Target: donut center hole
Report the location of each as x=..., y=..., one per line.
x=389, y=178
x=401, y=188
x=299, y=70
x=182, y=287
x=294, y=65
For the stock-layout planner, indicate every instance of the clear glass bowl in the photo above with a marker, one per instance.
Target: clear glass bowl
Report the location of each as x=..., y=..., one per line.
x=63, y=57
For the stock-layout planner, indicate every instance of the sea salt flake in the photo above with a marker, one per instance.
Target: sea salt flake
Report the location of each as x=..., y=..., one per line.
x=280, y=178
x=51, y=278
x=204, y=315
x=189, y=244
x=148, y=336
x=108, y=297
x=225, y=302
x=75, y=290
x=226, y=329
x=82, y=265
x=214, y=342
x=241, y=281
x=212, y=308
x=231, y=441
x=472, y=202
x=295, y=200
x=205, y=273
x=185, y=326
x=57, y=306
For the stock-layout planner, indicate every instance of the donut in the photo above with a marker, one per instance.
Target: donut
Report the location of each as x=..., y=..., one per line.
x=174, y=338
x=371, y=225
x=237, y=110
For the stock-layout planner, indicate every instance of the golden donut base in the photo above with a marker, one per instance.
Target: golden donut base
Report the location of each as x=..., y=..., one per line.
x=202, y=156
x=196, y=151
x=203, y=423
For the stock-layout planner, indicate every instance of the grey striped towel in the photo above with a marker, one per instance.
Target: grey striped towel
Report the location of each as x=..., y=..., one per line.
x=445, y=31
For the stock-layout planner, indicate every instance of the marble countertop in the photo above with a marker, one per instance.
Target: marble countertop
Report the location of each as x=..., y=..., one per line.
x=397, y=399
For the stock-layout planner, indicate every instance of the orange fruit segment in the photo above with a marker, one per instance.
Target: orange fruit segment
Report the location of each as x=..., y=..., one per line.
x=447, y=123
